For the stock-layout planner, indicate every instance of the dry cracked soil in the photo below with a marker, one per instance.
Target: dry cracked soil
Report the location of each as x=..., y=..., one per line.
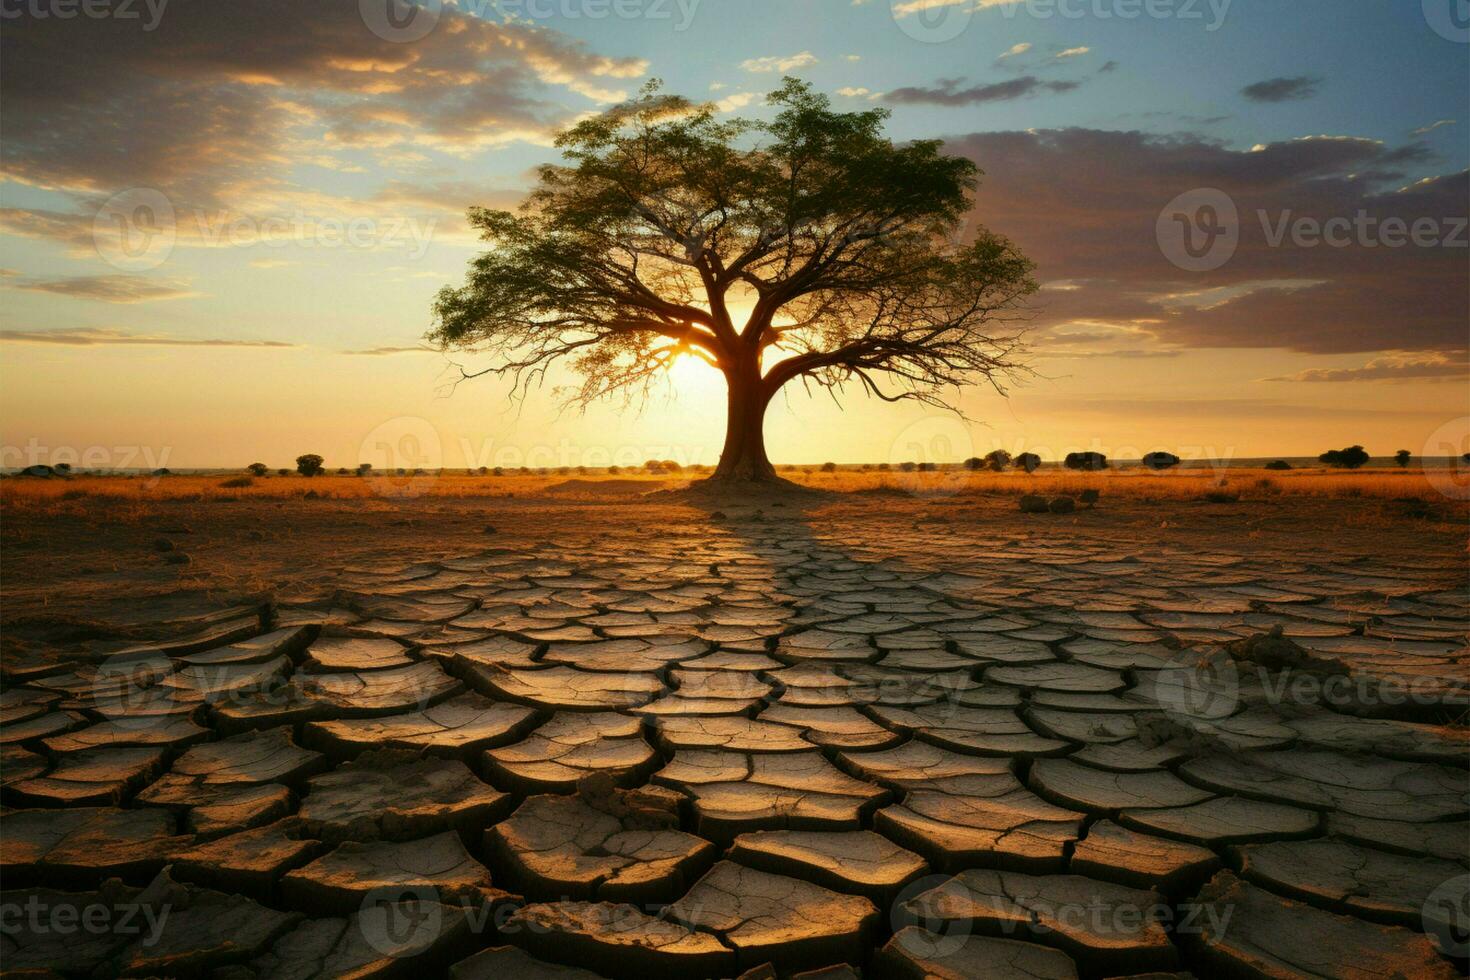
x=890, y=739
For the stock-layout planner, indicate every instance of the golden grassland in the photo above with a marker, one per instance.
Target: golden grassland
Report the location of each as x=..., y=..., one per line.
x=75, y=495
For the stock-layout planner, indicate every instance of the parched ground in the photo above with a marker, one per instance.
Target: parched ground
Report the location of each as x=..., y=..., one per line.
x=581, y=734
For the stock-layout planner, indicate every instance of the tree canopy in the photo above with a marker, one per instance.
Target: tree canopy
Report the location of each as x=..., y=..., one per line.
x=807, y=246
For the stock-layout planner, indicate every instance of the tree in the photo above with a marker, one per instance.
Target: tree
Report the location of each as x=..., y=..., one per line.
x=1402, y=457
x=974, y=463
x=1350, y=458
x=997, y=459
x=666, y=219
x=258, y=469
x=308, y=464
x=1085, y=461
x=363, y=469
x=1160, y=460
x=1028, y=462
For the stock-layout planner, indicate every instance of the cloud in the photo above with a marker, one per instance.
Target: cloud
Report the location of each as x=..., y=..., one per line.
x=1019, y=48
x=1453, y=366
x=213, y=105
x=107, y=289
x=98, y=337
x=854, y=93
x=791, y=62
x=1072, y=53
x=1096, y=230
x=1282, y=89
x=388, y=351
x=947, y=91
x=737, y=101
x=1425, y=130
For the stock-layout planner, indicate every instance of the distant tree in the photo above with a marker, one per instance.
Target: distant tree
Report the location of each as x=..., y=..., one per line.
x=614, y=470
x=668, y=215
x=1160, y=461
x=926, y=467
x=563, y=470
x=498, y=471
x=883, y=467
x=258, y=469
x=1028, y=462
x=672, y=466
x=308, y=464
x=1278, y=464
x=1085, y=461
x=63, y=468
x=829, y=467
x=1402, y=457
x=974, y=463
x=341, y=471
x=1350, y=458
x=283, y=472
x=997, y=460
x=908, y=467
x=363, y=469
x=483, y=470
x=163, y=471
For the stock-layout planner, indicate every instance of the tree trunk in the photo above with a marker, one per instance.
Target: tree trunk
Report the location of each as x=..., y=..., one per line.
x=743, y=459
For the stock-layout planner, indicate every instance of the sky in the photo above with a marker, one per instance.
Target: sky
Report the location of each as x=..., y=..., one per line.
x=222, y=225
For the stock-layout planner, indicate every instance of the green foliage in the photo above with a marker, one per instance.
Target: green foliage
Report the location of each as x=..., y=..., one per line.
x=666, y=215
x=308, y=464
x=997, y=460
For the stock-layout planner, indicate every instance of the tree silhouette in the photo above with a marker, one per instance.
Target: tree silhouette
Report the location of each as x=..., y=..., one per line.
x=1350, y=458
x=1402, y=457
x=308, y=464
x=667, y=221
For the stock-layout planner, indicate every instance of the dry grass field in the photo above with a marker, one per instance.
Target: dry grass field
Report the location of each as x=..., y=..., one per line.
x=133, y=497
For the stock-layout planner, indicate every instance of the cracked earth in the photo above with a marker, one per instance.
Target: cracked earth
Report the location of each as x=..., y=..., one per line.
x=824, y=743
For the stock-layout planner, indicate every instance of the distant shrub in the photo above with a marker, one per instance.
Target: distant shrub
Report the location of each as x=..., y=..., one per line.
x=341, y=471
x=997, y=460
x=974, y=463
x=927, y=467
x=563, y=470
x=283, y=472
x=582, y=471
x=867, y=467
x=235, y=482
x=498, y=471
x=1350, y=458
x=614, y=470
x=829, y=467
x=163, y=471
x=672, y=466
x=1085, y=461
x=883, y=467
x=63, y=468
x=1278, y=464
x=1222, y=497
x=308, y=464
x=258, y=469
x=1402, y=457
x=1160, y=461
x=1028, y=462
x=908, y=467
x=363, y=469
x=524, y=470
